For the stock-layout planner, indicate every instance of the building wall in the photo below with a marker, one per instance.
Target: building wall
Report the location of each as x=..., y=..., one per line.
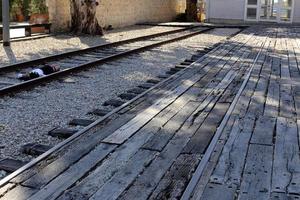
x=226, y=9
x=59, y=14
x=232, y=11
x=118, y=13
x=297, y=11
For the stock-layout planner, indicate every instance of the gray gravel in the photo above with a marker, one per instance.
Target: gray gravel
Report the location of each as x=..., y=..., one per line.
x=32, y=49
x=28, y=116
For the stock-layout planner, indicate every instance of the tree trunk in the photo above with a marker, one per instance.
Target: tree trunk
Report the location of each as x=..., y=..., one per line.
x=191, y=10
x=84, y=19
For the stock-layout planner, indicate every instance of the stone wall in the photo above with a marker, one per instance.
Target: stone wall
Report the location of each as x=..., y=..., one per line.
x=118, y=13
x=59, y=14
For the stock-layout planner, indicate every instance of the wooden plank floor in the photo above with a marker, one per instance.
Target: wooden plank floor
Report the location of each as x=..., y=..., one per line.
x=151, y=148
x=257, y=155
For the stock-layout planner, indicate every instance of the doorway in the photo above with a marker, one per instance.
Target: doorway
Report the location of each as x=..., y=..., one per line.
x=280, y=11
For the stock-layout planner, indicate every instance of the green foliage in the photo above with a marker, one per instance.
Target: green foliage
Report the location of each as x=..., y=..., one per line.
x=17, y=7
x=38, y=7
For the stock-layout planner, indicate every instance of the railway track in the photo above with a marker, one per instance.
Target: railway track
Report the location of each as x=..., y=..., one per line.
x=83, y=59
x=94, y=56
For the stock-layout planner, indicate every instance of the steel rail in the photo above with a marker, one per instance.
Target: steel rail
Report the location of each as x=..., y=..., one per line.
x=67, y=141
x=8, y=68
x=31, y=83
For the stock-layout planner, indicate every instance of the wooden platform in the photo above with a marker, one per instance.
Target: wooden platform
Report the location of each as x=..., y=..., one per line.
x=206, y=133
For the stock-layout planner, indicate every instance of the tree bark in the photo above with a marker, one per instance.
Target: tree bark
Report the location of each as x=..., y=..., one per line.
x=191, y=10
x=84, y=19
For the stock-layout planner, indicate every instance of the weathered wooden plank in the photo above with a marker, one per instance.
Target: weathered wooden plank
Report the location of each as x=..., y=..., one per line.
x=226, y=132
x=256, y=182
x=286, y=167
x=6, y=188
x=263, y=132
x=296, y=95
x=203, y=135
x=174, y=181
x=256, y=106
x=217, y=191
x=231, y=162
x=152, y=174
x=287, y=107
x=120, y=181
x=54, y=174
x=272, y=102
x=71, y=156
x=19, y=193
x=118, y=159
x=74, y=173
x=121, y=135
x=126, y=131
x=283, y=196
x=165, y=133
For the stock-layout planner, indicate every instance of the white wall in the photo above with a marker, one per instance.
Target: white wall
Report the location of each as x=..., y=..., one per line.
x=120, y=13
x=297, y=11
x=226, y=9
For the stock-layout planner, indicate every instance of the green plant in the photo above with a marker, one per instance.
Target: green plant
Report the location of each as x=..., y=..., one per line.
x=17, y=7
x=38, y=7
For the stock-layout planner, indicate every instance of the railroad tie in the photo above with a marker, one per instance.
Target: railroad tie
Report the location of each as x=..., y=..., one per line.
x=80, y=122
x=180, y=66
x=163, y=76
x=127, y=96
x=11, y=165
x=146, y=85
x=62, y=132
x=136, y=90
x=99, y=112
x=154, y=81
x=113, y=102
x=174, y=69
x=35, y=149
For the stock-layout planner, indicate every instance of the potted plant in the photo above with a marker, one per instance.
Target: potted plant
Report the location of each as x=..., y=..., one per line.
x=17, y=10
x=38, y=12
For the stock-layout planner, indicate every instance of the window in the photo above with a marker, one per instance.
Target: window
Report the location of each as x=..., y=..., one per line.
x=251, y=9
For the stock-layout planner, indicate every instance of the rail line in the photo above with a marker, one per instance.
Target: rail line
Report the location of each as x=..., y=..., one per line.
x=83, y=59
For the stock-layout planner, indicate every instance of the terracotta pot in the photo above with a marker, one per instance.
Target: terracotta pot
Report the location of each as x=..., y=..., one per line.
x=39, y=18
x=20, y=18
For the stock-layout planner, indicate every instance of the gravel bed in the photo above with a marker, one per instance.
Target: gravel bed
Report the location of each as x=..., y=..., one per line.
x=33, y=49
x=28, y=116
